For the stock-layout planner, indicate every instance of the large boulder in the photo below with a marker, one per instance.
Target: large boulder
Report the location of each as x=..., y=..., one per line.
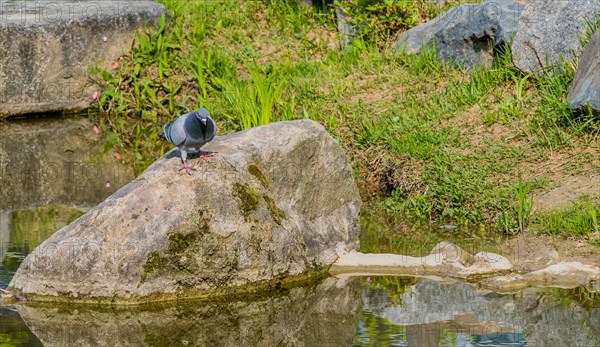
x=585, y=88
x=47, y=47
x=273, y=206
x=549, y=31
x=466, y=35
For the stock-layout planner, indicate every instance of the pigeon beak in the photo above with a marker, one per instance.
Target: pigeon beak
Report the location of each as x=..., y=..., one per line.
x=162, y=136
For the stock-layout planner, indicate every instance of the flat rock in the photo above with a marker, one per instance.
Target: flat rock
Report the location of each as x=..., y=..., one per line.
x=562, y=275
x=549, y=30
x=47, y=47
x=467, y=34
x=274, y=205
x=585, y=88
x=445, y=259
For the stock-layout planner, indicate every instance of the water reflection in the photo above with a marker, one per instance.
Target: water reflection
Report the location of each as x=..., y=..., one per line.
x=322, y=315
x=23, y=230
x=57, y=161
x=13, y=331
x=373, y=311
x=449, y=313
x=434, y=313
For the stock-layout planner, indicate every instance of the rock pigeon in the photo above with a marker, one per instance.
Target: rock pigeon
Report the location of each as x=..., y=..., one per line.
x=190, y=132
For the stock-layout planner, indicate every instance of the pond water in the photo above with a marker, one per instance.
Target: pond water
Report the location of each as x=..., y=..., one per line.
x=363, y=311
x=367, y=311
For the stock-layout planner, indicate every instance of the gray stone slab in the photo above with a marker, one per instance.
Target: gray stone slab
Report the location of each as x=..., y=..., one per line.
x=46, y=48
x=549, y=30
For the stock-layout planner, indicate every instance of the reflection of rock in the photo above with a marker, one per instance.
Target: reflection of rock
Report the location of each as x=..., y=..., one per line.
x=431, y=301
x=550, y=320
x=56, y=161
x=324, y=315
x=5, y=221
x=539, y=318
x=274, y=204
x=47, y=47
x=445, y=259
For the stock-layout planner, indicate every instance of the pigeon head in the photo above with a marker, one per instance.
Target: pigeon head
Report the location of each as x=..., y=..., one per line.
x=202, y=115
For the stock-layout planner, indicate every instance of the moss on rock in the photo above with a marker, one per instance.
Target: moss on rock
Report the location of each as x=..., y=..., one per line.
x=179, y=242
x=276, y=213
x=248, y=199
x=256, y=171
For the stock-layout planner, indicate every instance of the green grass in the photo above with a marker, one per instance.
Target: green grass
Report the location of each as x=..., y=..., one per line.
x=581, y=218
x=427, y=140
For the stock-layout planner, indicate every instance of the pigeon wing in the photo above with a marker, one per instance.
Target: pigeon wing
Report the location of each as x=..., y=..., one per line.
x=175, y=132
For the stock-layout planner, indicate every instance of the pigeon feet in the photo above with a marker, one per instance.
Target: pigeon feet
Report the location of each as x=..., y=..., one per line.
x=187, y=168
x=203, y=155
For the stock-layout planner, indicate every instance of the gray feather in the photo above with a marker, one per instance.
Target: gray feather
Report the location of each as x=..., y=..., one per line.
x=191, y=131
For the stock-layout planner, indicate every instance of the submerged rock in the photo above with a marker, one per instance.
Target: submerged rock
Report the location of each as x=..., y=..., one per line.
x=48, y=46
x=465, y=35
x=549, y=30
x=585, y=88
x=271, y=207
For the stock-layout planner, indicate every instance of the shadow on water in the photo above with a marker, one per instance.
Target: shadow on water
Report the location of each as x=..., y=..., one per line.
x=368, y=311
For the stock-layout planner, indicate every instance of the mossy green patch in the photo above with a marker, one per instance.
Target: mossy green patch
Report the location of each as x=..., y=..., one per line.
x=179, y=242
x=256, y=171
x=153, y=263
x=276, y=213
x=248, y=199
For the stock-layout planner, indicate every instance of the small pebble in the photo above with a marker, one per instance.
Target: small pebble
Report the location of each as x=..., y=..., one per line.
x=104, y=39
x=115, y=66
